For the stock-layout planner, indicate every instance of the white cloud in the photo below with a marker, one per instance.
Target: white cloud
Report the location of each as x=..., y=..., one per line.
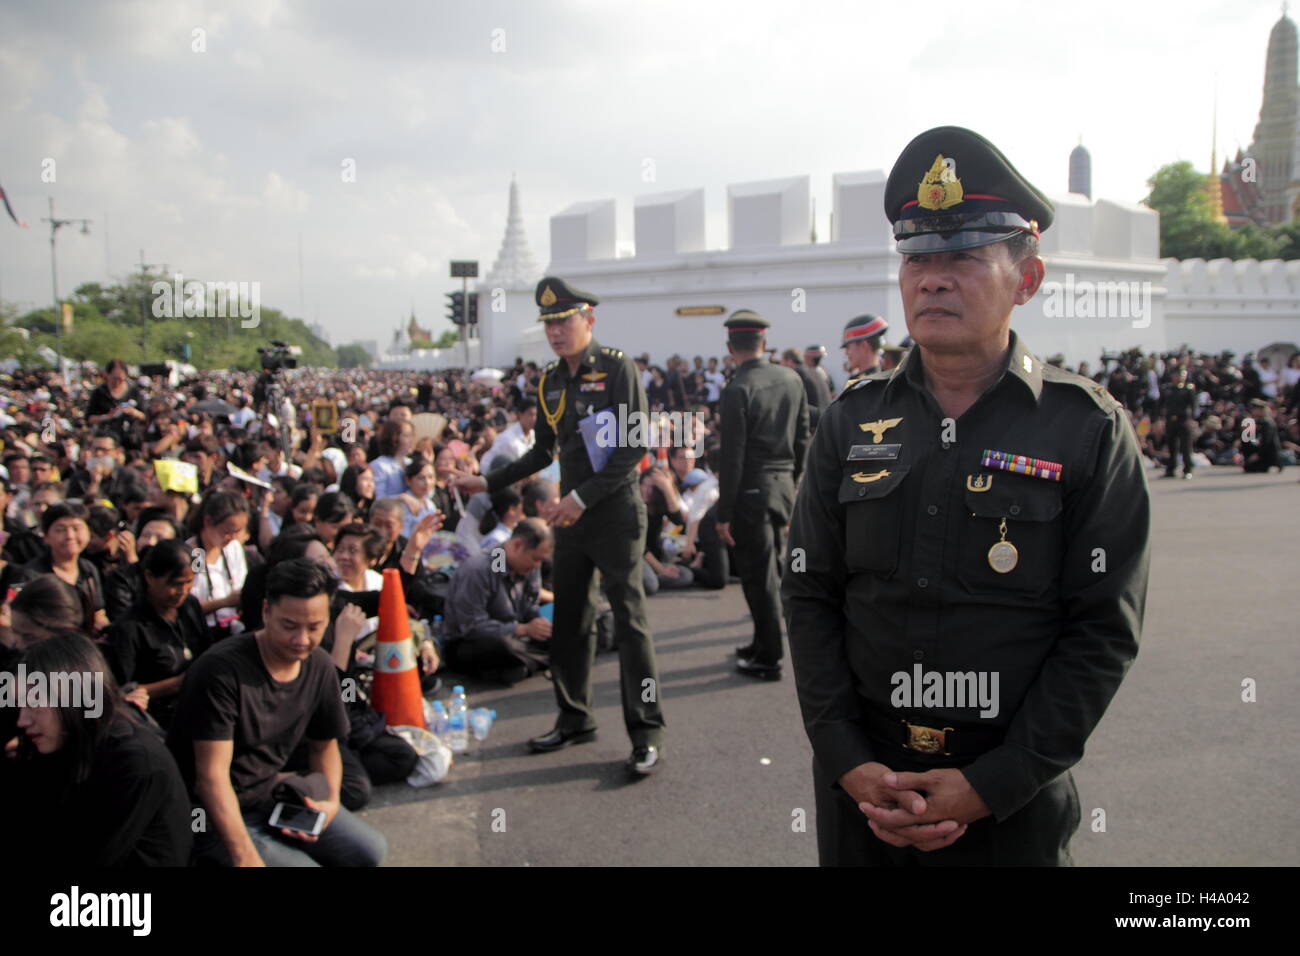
x=216, y=162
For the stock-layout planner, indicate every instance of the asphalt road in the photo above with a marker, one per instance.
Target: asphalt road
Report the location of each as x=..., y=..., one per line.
x=1185, y=771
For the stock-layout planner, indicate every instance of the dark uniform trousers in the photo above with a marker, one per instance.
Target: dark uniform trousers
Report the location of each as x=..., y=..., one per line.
x=609, y=537
x=1038, y=834
x=1179, y=432
x=761, y=516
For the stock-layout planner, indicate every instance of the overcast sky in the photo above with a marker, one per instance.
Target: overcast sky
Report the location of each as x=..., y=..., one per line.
x=215, y=162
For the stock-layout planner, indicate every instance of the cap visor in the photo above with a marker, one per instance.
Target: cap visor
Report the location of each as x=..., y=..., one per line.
x=950, y=242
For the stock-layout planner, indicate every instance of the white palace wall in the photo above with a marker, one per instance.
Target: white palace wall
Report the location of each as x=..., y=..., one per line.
x=1106, y=287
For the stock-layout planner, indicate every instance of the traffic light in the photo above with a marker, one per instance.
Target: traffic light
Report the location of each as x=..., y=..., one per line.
x=473, y=308
x=456, y=307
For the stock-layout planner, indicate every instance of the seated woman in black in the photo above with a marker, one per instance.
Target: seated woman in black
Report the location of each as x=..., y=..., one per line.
x=153, y=644
x=89, y=786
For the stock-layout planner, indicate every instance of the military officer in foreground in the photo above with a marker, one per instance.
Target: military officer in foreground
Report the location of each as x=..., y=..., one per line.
x=600, y=522
x=765, y=429
x=973, y=531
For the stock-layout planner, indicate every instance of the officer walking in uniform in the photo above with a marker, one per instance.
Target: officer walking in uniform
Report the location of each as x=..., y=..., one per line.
x=1180, y=404
x=815, y=388
x=812, y=357
x=765, y=432
x=600, y=523
x=975, y=530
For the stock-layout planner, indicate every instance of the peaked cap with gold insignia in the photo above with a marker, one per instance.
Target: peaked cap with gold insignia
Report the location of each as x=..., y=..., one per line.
x=952, y=189
x=559, y=300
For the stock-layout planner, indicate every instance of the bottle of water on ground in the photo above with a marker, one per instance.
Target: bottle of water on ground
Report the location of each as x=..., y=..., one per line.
x=441, y=721
x=457, y=730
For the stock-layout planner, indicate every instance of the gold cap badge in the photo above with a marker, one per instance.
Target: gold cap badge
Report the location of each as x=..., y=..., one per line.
x=548, y=297
x=940, y=187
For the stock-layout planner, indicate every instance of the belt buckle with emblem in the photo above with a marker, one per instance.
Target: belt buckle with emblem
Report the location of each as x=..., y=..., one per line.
x=927, y=740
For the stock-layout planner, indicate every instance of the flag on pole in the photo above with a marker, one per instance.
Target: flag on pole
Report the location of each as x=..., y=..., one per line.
x=10, y=209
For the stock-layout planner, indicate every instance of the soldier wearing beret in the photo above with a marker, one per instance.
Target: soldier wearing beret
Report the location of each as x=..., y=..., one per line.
x=600, y=523
x=765, y=429
x=968, y=552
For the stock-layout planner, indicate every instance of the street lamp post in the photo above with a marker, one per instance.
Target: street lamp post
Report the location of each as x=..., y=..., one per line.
x=54, y=277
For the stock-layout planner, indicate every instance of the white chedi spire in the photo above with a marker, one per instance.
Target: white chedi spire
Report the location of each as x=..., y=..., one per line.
x=514, y=267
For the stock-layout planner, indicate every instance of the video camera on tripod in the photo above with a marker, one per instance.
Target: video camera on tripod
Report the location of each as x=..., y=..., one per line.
x=278, y=355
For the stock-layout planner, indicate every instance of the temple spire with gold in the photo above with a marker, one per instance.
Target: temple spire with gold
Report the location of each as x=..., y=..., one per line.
x=1213, y=182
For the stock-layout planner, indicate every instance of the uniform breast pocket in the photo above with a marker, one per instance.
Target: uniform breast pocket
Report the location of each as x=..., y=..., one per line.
x=872, y=518
x=1032, y=509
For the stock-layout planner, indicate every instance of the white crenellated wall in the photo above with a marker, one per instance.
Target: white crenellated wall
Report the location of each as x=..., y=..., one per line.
x=1097, y=252
x=1238, y=306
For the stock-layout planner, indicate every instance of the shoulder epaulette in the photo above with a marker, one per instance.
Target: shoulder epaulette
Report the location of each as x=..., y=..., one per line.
x=855, y=384
x=1095, y=390
x=611, y=352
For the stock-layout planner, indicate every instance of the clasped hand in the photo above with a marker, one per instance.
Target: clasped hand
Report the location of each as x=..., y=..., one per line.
x=929, y=810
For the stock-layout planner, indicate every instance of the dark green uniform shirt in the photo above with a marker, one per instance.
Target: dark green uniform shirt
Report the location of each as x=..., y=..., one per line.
x=764, y=429
x=1180, y=401
x=890, y=569
x=606, y=379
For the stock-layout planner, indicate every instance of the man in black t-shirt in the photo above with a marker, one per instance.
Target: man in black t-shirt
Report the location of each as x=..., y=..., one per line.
x=244, y=706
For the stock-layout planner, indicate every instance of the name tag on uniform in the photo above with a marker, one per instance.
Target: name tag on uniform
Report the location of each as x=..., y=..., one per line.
x=874, y=452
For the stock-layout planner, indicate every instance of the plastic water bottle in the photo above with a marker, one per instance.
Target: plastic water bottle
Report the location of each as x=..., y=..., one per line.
x=438, y=633
x=440, y=722
x=457, y=735
x=480, y=722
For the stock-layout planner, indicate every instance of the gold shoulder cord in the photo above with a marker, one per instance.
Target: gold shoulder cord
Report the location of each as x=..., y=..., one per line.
x=552, y=418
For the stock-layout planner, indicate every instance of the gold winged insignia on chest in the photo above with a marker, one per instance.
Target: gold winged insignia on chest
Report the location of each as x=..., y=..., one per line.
x=878, y=428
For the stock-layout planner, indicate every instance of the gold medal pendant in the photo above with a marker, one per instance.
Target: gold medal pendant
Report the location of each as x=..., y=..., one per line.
x=1003, y=556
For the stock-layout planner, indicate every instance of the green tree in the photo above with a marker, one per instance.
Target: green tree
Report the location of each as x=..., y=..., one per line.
x=109, y=323
x=448, y=339
x=1187, y=227
x=1178, y=194
x=16, y=341
x=1287, y=237
x=353, y=356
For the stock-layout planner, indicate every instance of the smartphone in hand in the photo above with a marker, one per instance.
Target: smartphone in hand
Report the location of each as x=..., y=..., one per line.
x=287, y=816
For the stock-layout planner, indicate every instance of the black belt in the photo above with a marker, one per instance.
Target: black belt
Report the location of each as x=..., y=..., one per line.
x=937, y=738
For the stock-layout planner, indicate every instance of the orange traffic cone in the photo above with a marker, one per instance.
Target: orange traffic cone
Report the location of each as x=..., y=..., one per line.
x=396, y=692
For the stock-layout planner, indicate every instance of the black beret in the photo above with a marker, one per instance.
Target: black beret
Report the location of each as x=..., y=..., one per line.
x=864, y=327
x=743, y=320
x=952, y=189
x=559, y=300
